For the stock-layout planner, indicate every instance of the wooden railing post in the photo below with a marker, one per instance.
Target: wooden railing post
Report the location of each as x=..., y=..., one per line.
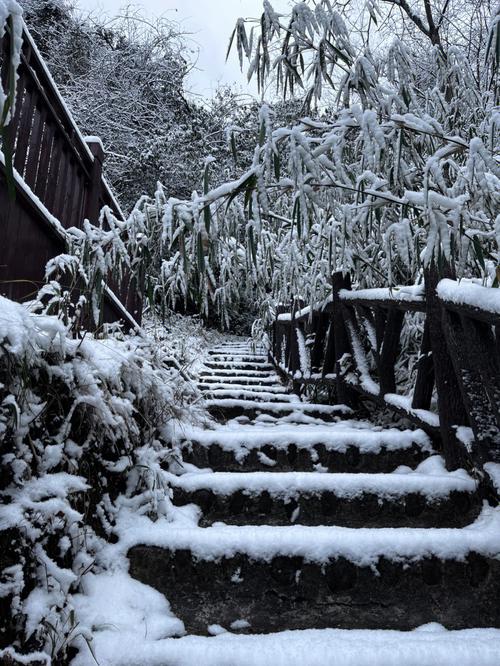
x=449, y=399
x=293, y=360
x=278, y=335
x=319, y=327
x=92, y=204
x=389, y=351
x=424, y=384
x=477, y=367
x=338, y=340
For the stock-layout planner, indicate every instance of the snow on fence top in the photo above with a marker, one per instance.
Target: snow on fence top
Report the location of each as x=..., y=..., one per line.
x=287, y=316
x=470, y=294
x=406, y=294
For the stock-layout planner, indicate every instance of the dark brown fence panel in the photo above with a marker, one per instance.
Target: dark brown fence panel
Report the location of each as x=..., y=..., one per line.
x=61, y=170
x=27, y=242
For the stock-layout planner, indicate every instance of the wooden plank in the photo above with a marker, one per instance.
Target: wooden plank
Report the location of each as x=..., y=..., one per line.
x=480, y=314
x=52, y=176
x=424, y=385
x=341, y=343
x=380, y=323
x=39, y=81
x=60, y=185
x=34, y=147
x=465, y=358
x=478, y=343
x=451, y=407
x=320, y=323
x=386, y=303
x=389, y=351
x=69, y=194
x=24, y=132
x=44, y=162
x=76, y=215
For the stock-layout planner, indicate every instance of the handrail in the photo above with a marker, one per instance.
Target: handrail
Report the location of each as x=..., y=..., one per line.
x=354, y=345
x=49, y=151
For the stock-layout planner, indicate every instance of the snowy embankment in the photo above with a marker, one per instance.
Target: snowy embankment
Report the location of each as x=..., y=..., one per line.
x=84, y=424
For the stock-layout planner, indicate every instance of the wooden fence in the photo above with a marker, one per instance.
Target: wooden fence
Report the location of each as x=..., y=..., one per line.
x=58, y=175
x=354, y=342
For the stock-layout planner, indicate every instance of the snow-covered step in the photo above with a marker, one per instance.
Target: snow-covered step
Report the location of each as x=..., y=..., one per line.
x=299, y=577
x=426, y=497
x=239, y=372
x=429, y=496
x=270, y=379
x=429, y=645
x=227, y=408
x=237, y=351
x=243, y=356
x=253, y=388
x=239, y=365
x=336, y=447
x=247, y=395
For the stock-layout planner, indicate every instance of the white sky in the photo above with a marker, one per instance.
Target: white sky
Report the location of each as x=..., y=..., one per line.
x=211, y=23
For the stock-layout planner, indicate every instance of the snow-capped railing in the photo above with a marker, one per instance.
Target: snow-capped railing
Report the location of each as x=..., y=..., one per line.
x=354, y=344
x=57, y=179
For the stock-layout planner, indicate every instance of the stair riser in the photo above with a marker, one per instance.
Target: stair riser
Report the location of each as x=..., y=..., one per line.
x=295, y=459
x=288, y=593
x=366, y=510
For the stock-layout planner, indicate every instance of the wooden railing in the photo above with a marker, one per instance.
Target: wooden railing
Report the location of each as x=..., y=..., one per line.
x=58, y=174
x=353, y=344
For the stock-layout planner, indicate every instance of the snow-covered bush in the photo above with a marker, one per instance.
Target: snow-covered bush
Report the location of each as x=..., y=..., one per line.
x=82, y=421
x=113, y=252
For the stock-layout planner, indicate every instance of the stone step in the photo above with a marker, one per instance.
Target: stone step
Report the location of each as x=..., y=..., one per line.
x=254, y=388
x=429, y=645
x=270, y=379
x=427, y=497
x=235, y=372
x=300, y=577
x=238, y=365
x=248, y=395
x=289, y=447
x=230, y=408
x=240, y=357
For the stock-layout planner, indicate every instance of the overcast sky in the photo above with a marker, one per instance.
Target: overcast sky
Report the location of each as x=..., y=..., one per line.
x=211, y=23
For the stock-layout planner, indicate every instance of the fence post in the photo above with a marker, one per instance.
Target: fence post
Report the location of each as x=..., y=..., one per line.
x=92, y=204
x=338, y=339
x=449, y=399
x=294, y=355
x=319, y=326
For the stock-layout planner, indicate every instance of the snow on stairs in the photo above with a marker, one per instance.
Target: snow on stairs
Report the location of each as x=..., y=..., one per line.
x=305, y=523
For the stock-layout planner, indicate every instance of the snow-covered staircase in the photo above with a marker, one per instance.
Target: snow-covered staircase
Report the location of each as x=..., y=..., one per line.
x=309, y=518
